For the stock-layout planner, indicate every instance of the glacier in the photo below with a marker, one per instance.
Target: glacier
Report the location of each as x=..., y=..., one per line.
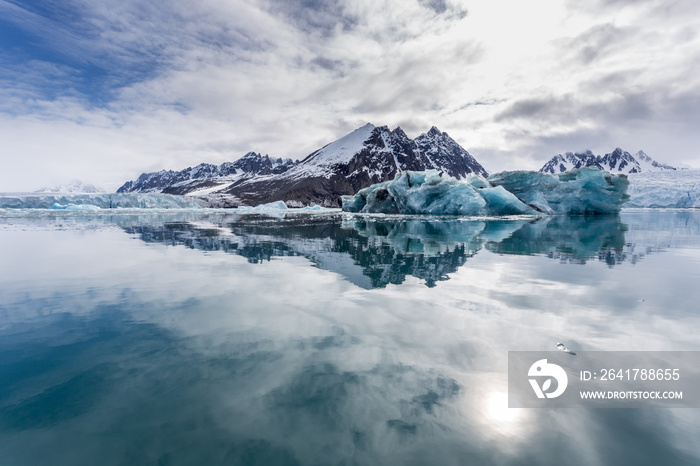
x=580, y=191
x=102, y=201
x=667, y=189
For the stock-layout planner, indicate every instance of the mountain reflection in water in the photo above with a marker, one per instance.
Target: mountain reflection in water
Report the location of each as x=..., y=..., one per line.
x=373, y=252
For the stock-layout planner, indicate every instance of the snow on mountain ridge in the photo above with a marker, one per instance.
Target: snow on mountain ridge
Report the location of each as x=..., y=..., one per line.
x=341, y=150
x=616, y=161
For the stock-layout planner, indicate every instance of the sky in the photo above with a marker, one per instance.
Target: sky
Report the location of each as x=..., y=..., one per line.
x=102, y=91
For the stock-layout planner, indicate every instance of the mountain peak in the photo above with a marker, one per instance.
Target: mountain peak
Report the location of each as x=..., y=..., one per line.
x=434, y=131
x=618, y=161
x=368, y=155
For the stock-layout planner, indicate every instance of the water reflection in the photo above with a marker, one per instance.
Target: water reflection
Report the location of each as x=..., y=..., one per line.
x=374, y=252
x=118, y=349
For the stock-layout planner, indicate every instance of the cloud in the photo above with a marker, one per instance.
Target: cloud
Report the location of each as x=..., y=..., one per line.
x=321, y=17
x=116, y=89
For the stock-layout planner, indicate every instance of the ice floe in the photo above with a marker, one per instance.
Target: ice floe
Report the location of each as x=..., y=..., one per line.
x=507, y=193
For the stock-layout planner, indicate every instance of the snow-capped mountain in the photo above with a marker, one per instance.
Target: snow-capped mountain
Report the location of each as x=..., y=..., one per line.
x=368, y=155
x=206, y=175
x=618, y=161
x=74, y=187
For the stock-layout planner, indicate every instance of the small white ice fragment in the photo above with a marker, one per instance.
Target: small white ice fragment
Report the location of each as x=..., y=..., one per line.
x=562, y=347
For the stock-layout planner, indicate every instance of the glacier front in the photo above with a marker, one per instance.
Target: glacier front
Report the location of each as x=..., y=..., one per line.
x=667, y=189
x=580, y=191
x=101, y=201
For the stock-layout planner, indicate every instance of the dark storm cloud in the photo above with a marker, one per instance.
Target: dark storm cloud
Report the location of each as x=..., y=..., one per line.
x=568, y=109
x=540, y=107
x=316, y=16
x=578, y=140
x=442, y=7
x=327, y=63
x=598, y=42
x=547, y=125
x=438, y=6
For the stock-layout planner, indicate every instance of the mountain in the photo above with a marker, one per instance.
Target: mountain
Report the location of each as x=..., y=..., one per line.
x=74, y=187
x=368, y=155
x=617, y=161
x=206, y=175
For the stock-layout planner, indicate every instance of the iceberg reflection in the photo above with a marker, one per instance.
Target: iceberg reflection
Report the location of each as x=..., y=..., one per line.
x=373, y=252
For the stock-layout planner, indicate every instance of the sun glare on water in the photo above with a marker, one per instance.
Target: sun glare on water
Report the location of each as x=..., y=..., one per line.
x=502, y=418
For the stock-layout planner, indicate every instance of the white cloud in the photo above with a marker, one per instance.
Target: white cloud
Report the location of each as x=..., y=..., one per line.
x=514, y=83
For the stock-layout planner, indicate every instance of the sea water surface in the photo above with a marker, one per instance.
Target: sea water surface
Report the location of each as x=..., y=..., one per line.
x=211, y=338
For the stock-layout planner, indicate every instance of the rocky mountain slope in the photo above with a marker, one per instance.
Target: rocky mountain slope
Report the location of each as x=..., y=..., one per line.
x=206, y=175
x=366, y=156
x=618, y=161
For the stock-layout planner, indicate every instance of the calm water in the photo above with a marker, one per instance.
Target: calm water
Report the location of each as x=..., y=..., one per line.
x=207, y=339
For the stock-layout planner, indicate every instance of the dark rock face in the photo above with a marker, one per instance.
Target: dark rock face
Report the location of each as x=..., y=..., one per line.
x=617, y=161
x=366, y=156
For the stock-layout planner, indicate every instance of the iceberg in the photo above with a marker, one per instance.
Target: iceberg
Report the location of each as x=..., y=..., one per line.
x=430, y=193
x=581, y=191
x=279, y=209
x=316, y=208
x=278, y=205
x=76, y=208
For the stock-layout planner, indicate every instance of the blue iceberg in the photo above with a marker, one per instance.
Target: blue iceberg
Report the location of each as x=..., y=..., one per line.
x=429, y=193
x=579, y=191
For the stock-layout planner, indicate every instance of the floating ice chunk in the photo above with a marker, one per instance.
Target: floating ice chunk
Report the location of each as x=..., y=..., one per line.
x=429, y=193
x=579, y=191
x=279, y=209
x=76, y=208
x=562, y=347
x=278, y=205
